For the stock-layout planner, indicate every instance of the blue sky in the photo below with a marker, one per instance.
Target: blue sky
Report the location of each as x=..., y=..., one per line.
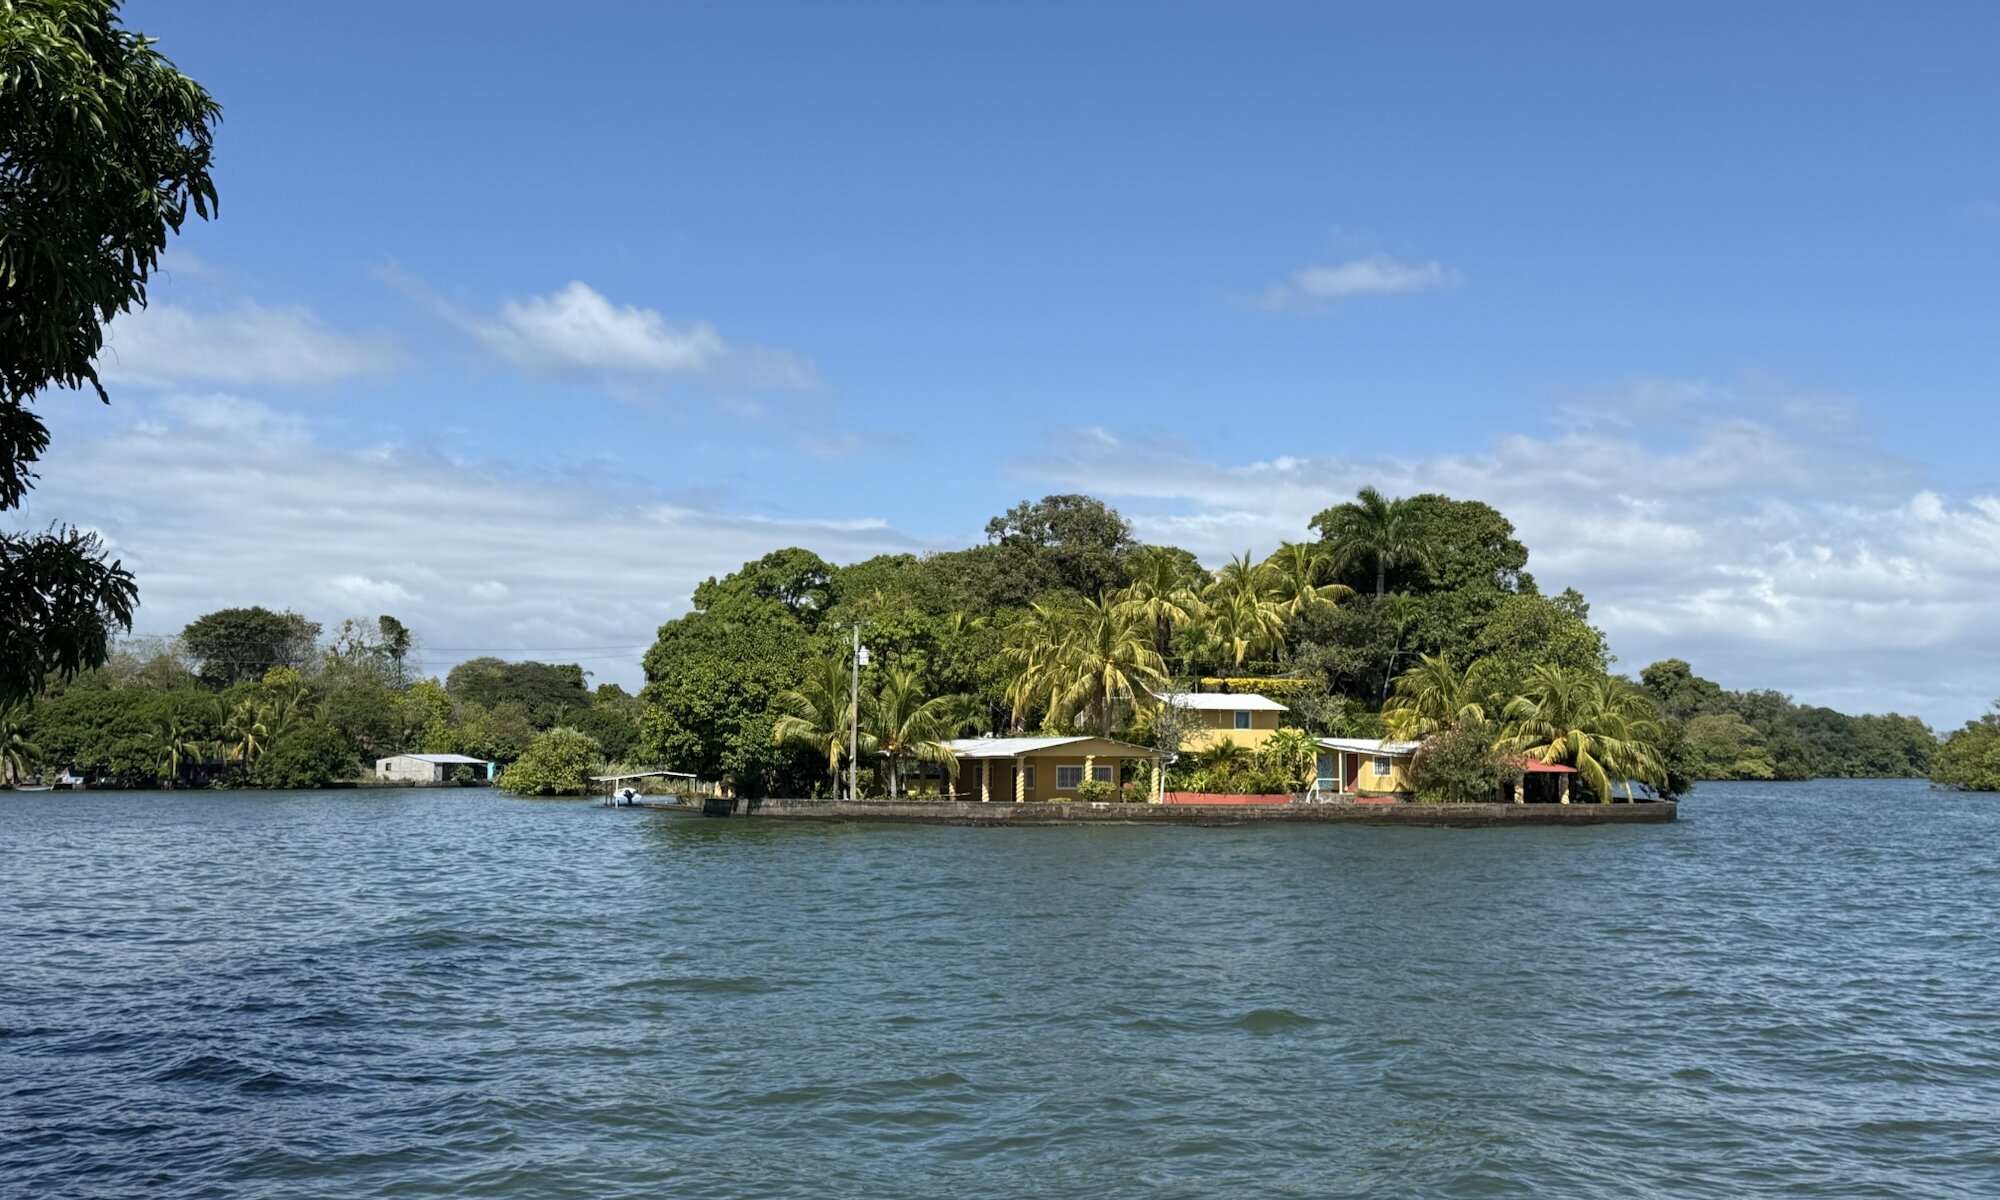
x=519, y=323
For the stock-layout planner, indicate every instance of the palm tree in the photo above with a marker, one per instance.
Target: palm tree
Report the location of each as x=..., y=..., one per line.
x=176, y=746
x=1033, y=649
x=1434, y=696
x=244, y=734
x=1159, y=596
x=906, y=726
x=16, y=751
x=1087, y=663
x=1600, y=726
x=1371, y=528
x=817, y=715
x=1293, y=751
x=1292, y=578
x=1240, y=623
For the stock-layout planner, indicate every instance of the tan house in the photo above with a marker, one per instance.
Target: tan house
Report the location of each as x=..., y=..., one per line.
x=1041, y=768
x=1365, y=767
x=1244, y=718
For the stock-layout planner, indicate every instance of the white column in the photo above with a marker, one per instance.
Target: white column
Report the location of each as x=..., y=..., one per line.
x=985, y=780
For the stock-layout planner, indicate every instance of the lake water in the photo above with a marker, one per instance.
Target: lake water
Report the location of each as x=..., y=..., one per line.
x=1795, y=991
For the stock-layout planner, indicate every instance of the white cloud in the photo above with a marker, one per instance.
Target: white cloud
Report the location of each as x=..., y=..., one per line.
x=167, y=346
x=218, y=500
x=577, y=331
x=1761, y=551
x=1375, y=275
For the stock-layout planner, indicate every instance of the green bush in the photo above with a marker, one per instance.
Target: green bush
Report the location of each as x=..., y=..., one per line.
x=313, y=755
x=1460, y=766
x=558, y=763
x=1099, y=791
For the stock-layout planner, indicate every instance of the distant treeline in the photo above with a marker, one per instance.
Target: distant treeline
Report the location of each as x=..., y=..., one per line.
x=1764, y=735
x=252, y=697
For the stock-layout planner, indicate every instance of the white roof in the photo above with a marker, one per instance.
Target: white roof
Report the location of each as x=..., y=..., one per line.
x=1222, y=701
x=442, y=758
x=1369, y=746
x=1008, y=747
x=641, y=775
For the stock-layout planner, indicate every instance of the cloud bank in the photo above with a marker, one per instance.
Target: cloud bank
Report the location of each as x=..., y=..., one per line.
x=164, y=345
x=1765, y=550
x=216, y=500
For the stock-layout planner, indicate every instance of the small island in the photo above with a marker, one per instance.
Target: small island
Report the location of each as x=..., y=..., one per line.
x=1399, y=659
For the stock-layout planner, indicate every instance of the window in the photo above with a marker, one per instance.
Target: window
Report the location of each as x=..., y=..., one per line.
x=1028, y=780
x=1383, y=765
x=1243, y=720
x=1101, y=774
x=1067, y=778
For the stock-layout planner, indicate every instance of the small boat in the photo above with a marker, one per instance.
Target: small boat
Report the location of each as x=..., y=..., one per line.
x=34, y=787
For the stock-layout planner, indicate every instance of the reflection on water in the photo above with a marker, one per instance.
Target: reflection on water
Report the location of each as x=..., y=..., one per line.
x=455, y=993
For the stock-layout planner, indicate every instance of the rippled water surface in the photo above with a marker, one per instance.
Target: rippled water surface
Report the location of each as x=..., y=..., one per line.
x=1793, y=992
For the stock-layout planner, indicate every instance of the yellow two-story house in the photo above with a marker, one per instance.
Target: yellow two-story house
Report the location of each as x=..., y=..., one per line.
x=1211, y=718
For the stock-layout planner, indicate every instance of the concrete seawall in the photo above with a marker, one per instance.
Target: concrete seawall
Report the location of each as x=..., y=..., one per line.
x=971, y=812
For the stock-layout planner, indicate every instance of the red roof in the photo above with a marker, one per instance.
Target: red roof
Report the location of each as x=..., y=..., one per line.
x=1541, y=768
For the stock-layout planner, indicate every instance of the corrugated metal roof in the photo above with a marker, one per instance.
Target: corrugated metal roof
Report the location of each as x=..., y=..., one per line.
x=1369, y=746
x=441, y=758
x=1222, y=701
x=1008, y=747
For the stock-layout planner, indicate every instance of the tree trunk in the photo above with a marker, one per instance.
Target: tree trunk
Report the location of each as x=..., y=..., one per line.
x=1381, y=578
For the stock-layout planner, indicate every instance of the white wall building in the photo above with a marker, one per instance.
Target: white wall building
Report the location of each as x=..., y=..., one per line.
x=430, y=768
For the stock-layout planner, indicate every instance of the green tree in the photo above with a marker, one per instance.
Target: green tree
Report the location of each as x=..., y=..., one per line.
x=549, y=692
x=1069, y=542
x=799, y=581
x=711, y=678
x=610, y=726
x=1458, y=764
x=396, y=642
x=557, y=763
x=238, y=644
x=310, y=755
x=103, y=148
x=1374, y=529
x=1725, y=746
x=1680, y=692
x=1969, y=760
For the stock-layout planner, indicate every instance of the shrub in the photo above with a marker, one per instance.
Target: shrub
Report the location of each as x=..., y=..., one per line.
x=555, y=764
x=1100, y=791
x=1252, y=782
x=313, y=755
x=1460, y=766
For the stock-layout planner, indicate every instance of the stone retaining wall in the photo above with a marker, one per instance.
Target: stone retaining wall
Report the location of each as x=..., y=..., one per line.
x=1077, y=812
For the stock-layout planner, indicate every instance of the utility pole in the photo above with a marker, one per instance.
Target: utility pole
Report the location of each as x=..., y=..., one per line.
x=854, y=723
